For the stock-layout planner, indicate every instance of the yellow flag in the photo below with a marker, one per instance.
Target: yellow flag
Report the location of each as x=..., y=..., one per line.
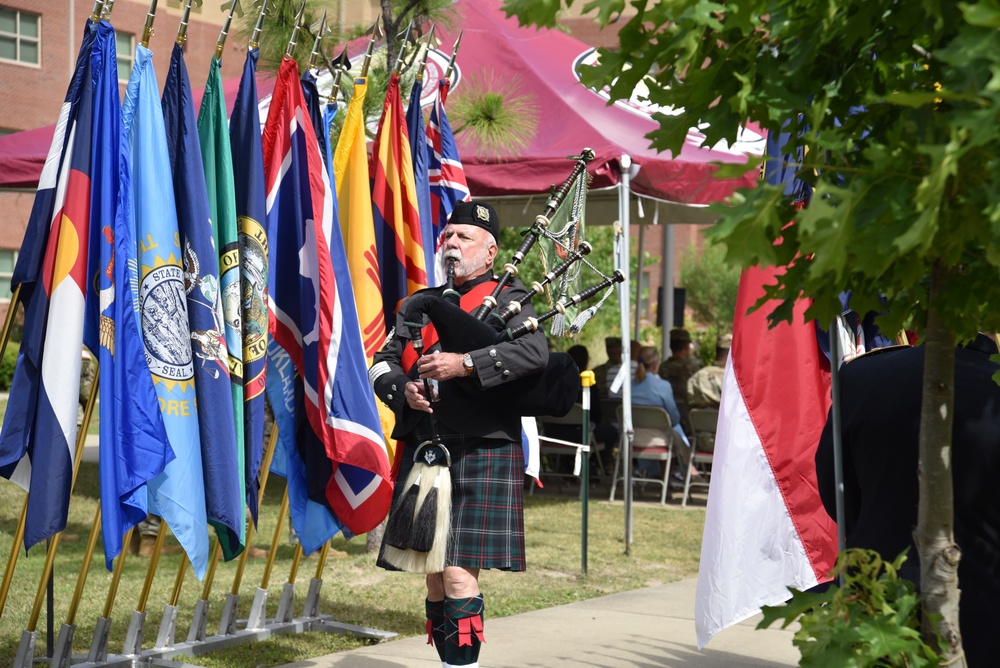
x=354, y=202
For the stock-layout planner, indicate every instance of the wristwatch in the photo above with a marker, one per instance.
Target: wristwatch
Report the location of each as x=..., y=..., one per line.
x=469, y=365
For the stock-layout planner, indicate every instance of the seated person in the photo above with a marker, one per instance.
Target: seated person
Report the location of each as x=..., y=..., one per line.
x=704, y=388
x=648, y=389
x=616, y=392
x=678, y=369
x=613, y=348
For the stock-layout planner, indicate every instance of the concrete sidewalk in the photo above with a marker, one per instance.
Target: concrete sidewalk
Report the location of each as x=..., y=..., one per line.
x=644, y=628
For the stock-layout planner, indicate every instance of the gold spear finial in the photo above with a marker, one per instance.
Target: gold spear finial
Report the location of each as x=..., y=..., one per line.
x=255, y=37
x=109, y=6
x=295, y=29
x=314, y=55
x=402, y=47
x=427, y=50
x=147, y=30
x=454, y=53
x=371, y=48
x=95, y=13
x=183, y=27
x=234, y=6
x=342, y=64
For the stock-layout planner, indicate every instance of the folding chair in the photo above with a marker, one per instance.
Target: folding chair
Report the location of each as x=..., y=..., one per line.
x=652, y=439
x=704, y=422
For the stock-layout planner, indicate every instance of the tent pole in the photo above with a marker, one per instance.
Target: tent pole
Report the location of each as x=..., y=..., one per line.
x=639, y=272
x=667, y=283
x=624, y=263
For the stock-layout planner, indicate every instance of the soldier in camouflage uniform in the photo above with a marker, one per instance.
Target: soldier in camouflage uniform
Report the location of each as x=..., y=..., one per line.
x=678, y=369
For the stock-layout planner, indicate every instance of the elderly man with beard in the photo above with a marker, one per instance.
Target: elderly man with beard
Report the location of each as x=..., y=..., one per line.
x=482, y=436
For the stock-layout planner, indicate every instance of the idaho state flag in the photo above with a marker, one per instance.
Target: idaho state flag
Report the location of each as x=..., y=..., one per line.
x=39, y=429
x=395, y=209
x=312, y=314
x=251, y=212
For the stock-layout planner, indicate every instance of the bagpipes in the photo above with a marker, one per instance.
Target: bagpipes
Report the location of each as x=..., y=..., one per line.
x=417, y=532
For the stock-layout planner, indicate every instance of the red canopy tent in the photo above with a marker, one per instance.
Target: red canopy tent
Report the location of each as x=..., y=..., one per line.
x=22, y=154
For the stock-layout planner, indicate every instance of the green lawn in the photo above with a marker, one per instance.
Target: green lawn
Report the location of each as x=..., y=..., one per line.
x=666, y=549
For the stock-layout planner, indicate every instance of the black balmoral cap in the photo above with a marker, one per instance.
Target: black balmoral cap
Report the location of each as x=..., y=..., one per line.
x=479, y=214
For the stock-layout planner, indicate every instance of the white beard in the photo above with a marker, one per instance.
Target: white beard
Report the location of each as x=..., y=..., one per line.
x=469, y=268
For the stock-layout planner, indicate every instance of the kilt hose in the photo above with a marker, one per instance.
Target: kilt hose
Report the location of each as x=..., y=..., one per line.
x=487, y=506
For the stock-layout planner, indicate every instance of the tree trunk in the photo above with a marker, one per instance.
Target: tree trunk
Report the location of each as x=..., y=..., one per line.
x=391, y=28
x=934, y=535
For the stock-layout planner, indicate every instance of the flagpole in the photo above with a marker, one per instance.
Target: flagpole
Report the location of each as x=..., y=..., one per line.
x=50, y=555
x=423, y=60
x=838, y=443
x=255, y=36
x=220, y=45
x=314, y=54
x=454, y=54
x=147, y=29
x=8, y=574
x=183, y=27
x=257, y=618
x=99, y=645
x=370, y=49
x=227, y=624
x=64, y=644
x=402, y=47
x=295, y=29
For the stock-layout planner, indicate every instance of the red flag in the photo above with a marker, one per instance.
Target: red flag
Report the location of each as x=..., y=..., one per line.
x=765, y=527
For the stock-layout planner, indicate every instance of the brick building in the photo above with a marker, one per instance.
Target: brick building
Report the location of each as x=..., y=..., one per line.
x=39, y=43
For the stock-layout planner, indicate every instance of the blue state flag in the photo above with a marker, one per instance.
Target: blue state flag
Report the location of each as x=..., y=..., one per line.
x=421, y=178
x=39, y=429
x=133, y=444
x=329, y=114
x=220, y=458
x=251, y=214
x=177, y=494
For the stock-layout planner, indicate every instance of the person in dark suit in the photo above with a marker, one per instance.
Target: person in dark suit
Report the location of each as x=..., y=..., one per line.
x=880, y=418
x=482, y=435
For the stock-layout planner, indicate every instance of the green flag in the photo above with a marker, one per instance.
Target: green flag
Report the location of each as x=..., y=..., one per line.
x=213, y=132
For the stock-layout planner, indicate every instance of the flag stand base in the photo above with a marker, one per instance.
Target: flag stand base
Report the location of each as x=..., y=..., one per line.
x=199, y=622
x=26, y=650
x=133, y=637
x=258, y=611
x=62, y=655
x=284, y=614
x=227, y=625
x=168, y=628
x=99, y=645
x=311, y=606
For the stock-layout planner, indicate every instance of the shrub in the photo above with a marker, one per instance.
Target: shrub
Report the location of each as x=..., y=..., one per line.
x=7, y=365
x=872, y=620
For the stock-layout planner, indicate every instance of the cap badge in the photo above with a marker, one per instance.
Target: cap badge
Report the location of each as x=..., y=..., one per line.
x=482, y=213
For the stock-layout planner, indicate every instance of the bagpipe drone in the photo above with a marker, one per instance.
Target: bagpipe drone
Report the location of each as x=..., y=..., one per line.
x=417, y=531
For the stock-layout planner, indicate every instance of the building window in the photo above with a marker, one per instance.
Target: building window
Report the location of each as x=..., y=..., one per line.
x=19, y=36
x=7, y=260
x=125, y=47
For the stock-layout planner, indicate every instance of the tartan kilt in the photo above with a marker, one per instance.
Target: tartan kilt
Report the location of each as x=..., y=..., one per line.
x=487, y=502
